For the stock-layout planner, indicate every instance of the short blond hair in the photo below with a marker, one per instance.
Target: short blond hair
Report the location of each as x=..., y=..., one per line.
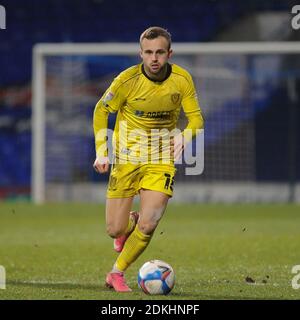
x=155, y=32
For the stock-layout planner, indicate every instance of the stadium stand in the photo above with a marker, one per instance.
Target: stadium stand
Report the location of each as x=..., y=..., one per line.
x=32, y=21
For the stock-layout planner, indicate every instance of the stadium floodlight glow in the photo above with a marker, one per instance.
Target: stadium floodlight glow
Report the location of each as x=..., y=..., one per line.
x=215, y=73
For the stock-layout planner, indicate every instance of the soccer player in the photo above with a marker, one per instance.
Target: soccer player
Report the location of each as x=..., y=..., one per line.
x=147, y=97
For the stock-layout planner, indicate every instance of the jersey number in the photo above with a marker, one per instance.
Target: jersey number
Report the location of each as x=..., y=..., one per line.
x=169, y=181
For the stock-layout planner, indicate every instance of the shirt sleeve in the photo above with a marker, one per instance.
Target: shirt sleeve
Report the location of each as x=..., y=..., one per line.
x=192, y=110
x=111, y=101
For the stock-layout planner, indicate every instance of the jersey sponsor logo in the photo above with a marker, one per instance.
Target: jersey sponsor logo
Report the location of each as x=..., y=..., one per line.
x=153, y=114
x=139, y=99
x=159, y=115
x=175, y=97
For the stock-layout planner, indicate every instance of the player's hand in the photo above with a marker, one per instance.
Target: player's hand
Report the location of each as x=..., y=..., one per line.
x=101, y=165
x=177, y=146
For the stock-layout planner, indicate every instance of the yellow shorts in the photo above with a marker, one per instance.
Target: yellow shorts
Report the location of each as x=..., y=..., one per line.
x=127, y=179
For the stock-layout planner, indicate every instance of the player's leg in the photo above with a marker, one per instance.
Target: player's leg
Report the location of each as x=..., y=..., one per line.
x=120, y=241
x=152, y=208
x=117, y=216
x=118, y=223
x=153, y=204
x=121, y=190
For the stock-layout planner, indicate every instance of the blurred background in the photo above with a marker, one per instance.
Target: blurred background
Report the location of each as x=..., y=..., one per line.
x=250, y=101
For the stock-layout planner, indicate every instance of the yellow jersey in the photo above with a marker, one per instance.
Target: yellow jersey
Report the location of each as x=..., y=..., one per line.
x=147, y=111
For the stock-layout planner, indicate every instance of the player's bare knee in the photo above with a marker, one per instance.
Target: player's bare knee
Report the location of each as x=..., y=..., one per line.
x=147, y=227
x=149, y=224
x=114, y=231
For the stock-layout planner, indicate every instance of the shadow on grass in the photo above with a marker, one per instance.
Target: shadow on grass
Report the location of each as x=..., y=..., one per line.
x=57, y=285
x=100, y=288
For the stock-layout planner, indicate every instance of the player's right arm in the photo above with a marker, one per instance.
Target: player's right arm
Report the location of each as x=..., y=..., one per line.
x=111, y=101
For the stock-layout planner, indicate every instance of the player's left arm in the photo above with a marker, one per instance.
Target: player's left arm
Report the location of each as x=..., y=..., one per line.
x=194, y=116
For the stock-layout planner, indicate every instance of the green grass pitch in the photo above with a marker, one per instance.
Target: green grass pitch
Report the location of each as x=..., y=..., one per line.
x=61, y=251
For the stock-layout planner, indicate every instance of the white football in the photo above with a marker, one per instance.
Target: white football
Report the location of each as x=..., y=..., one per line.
x=156, y=277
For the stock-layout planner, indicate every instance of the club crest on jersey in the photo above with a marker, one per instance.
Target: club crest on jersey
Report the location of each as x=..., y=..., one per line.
x=175, y=97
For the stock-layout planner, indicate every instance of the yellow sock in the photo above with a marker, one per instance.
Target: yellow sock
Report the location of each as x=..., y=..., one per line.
x=133, y=248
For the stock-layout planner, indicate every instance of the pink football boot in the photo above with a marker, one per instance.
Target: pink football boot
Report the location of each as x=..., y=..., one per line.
x=116, y=281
